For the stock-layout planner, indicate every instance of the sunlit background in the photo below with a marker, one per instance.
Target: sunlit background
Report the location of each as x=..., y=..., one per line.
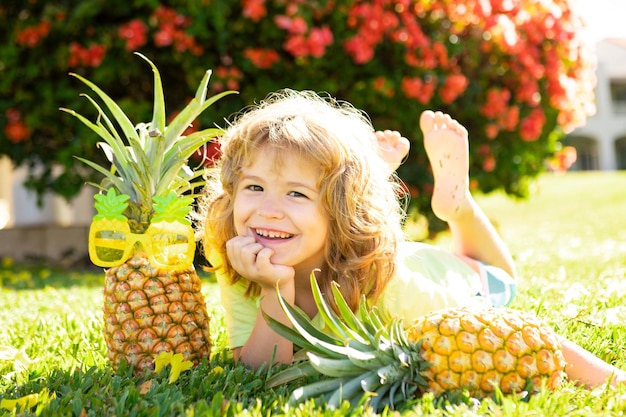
x=604, y=18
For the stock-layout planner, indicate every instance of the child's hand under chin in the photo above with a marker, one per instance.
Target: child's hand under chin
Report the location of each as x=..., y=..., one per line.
x=253, y=261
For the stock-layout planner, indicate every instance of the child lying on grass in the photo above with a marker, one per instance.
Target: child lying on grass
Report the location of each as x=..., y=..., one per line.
x=304, y=183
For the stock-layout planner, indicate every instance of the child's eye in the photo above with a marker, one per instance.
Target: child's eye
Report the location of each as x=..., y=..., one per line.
x=297, y=194
x=254, y=187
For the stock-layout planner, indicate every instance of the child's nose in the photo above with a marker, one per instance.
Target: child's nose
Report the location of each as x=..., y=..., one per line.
x=270, y=208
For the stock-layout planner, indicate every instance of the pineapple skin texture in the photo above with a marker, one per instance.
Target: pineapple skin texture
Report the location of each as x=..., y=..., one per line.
x=482, y=349
x=149, y=310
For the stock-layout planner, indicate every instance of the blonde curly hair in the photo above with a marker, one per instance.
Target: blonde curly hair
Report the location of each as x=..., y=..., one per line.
x=357, y=190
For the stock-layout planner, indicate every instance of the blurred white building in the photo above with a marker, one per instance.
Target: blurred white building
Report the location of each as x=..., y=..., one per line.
x=56, y=230
x=601, y=143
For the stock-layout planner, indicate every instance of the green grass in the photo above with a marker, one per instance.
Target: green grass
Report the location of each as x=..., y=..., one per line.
x=569, y=241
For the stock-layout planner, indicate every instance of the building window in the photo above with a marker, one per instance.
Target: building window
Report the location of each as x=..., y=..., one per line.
x=620, y=153
x=618, y=95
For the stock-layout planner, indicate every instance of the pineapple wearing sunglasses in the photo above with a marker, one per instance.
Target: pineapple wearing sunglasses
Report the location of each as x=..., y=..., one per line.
x=142, y=234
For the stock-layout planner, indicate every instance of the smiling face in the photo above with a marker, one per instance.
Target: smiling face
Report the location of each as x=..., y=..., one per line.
x=278, y=203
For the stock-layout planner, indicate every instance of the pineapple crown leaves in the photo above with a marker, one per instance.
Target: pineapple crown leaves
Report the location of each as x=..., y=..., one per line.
x=172, y=208
x=155, y=159
x=365, y=353
x=110, y=205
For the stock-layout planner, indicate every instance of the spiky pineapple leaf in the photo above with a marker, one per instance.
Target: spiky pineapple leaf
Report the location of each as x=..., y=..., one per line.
x=127, y=126
x=374, y=323
x=346, y=312
x=304, y=333
x=110, y=205
x=98, y=128
x=176, y=156
x=338, y=368
x=332, y=321
x=381, y=363
x=140, y=164
x=152, y=133
x=358, y=334
x=108, y=133
x=354, y=389
x=172, y=208
x=150, y=159
x=115, y=180
x=158, y=111
x=316, y=389
x=192, y=110
x=188, y=184
x=292, y=373
x=154, y=144
x=120, y=162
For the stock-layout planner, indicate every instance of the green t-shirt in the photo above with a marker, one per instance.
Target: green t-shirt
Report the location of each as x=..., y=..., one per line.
x=427, y=279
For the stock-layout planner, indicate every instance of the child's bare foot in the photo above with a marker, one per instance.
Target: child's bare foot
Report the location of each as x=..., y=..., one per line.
x=445, y=141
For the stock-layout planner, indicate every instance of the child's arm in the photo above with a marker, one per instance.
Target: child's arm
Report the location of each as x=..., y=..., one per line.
x=264, y=345
x=393, y=147
x=252, y=260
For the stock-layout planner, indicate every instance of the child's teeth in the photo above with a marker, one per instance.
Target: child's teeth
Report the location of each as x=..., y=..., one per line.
x=273, y=235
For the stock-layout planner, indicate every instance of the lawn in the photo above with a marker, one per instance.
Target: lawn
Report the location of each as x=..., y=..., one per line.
x=569, y=241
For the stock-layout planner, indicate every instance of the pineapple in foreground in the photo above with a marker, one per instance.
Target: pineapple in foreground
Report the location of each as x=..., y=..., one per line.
x=141, y=232
x=363, y=353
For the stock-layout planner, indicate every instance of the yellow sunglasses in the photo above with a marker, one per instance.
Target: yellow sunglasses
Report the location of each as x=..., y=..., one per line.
x=168, y=245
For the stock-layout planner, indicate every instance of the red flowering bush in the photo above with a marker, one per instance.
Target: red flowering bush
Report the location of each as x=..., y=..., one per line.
x=514, y=72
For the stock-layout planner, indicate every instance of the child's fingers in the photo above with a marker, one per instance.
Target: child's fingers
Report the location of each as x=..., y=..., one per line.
x=242, y=252
x=269, y=273
x=263, y=263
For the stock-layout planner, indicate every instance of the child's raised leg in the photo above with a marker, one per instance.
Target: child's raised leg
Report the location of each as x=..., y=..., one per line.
x=447, y=147
x=587, y=369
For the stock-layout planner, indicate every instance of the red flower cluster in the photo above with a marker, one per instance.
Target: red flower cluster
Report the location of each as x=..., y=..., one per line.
x=373, y=22
x=396, y=21
x=531, y=126
x=208, y=153
x=15, y=129
x=563, y=159
x=418, y=89
x=488, y=161
x=383, y=86
x=171, y=31
x=262, y=58
x=536, y=47
x=135, y=33
x=504, y=116
x=32, y=35
x=497, y=101
x=435, y=56
x=85, y=57
x=254, y=10
x=302, y=42
x=514, y=71
x=529, y=48
x=453, y=86
x=226, y=78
